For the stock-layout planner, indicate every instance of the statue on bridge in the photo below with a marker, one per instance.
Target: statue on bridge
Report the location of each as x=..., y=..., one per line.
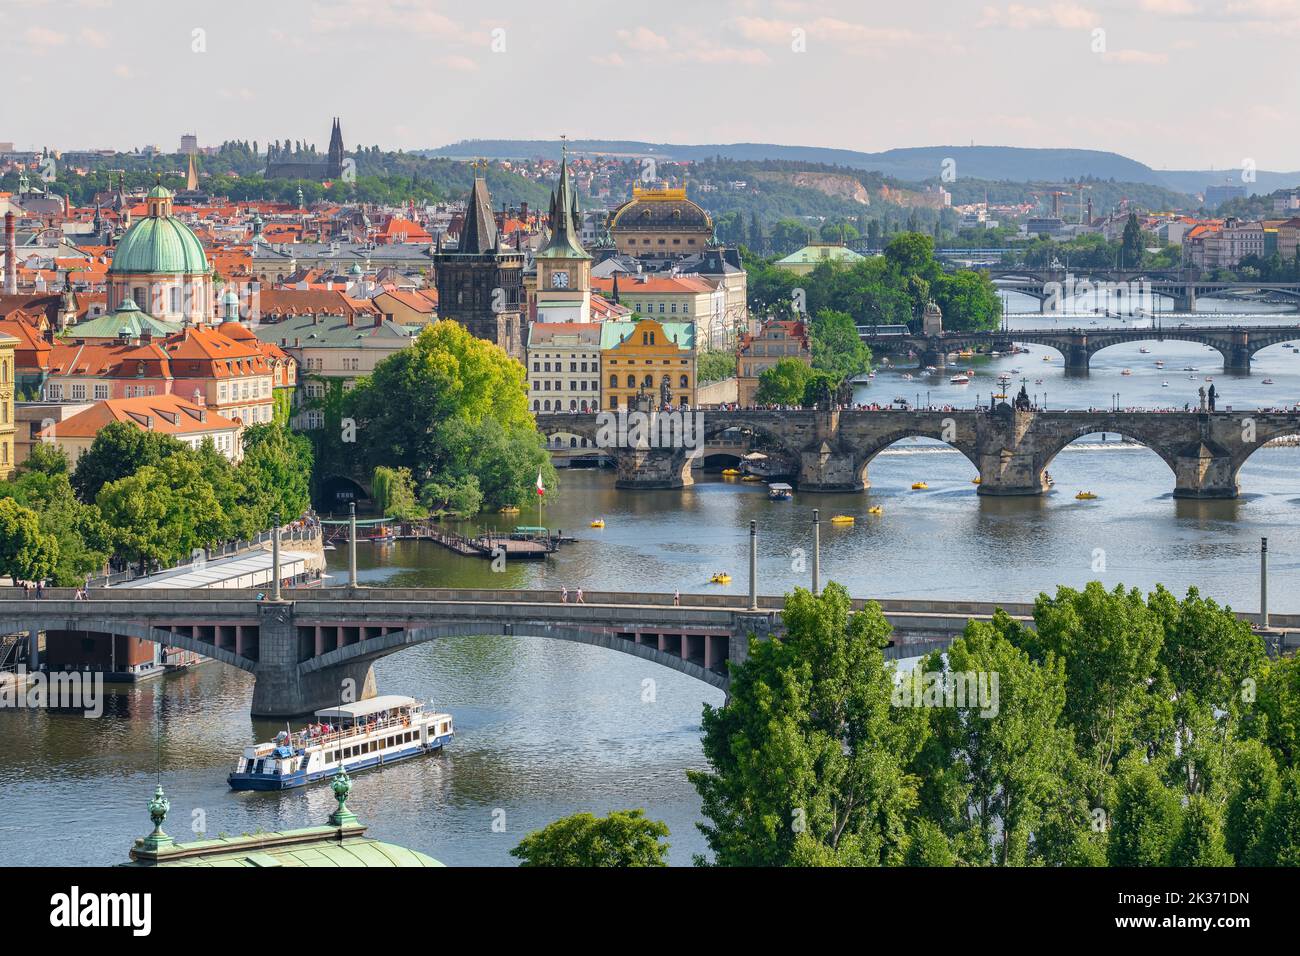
x=1211, y=397
x=1201, y=392
x=1022, y=400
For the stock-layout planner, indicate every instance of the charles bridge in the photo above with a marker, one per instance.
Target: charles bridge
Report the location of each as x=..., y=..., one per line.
x=831, y=450
x=1237, y=344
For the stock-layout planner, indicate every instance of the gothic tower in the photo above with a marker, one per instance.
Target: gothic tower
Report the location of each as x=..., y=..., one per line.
x=563, y=266
x=480, y=283
x=334, y=162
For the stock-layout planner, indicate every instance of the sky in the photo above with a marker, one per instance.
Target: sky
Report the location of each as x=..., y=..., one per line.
x=1178, y=84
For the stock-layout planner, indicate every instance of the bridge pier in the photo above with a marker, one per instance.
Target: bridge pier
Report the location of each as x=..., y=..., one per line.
x=281, y=689
x=1077, y=355
x=1203, y=472
x=828, y=469
x=1187, y=301
x=647, y=469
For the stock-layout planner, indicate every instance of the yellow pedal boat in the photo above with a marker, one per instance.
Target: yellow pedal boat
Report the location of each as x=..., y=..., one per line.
x=919, y=486
x=720, y=579
x=1085, y=496
x=598, y=523
x=842, y=519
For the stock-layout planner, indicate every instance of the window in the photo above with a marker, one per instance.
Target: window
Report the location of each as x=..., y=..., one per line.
x=101, y=393
x=78, y=393
x=613, y=381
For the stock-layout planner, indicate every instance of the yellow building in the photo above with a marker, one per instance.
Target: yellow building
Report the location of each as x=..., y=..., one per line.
x=647, y=356
x=660, y=222
x=7, y=370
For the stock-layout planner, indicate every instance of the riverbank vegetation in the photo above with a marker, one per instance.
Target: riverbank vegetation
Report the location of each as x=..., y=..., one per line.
x=448, y=422
x=143, y=497
x=1117, y=730
x=889, y=289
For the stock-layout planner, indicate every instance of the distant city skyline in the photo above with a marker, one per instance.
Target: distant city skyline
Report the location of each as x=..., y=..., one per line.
x=1154, y=80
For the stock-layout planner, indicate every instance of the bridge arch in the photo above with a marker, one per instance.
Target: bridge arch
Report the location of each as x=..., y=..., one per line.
x=865, y=453
x=699, y=655
x=1055, y=440
x=142, y=631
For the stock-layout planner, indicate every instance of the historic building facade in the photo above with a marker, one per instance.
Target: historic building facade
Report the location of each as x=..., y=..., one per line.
x=660, y=223
x=563, y=266
x=647, y=357
x=755, y=353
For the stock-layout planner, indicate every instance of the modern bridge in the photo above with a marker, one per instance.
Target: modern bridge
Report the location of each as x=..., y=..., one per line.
x=1237, y=344
x=1182, y=286
x=313, y=648
x=1010, y=449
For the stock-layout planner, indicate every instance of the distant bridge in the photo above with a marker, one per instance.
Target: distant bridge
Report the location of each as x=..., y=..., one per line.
x=1010, y=449
x=1050, y=286
x=1237, y=344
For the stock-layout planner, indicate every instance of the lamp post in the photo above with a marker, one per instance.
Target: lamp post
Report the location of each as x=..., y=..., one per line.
x=275, y=557
x=1263, y=582
x=352, y=544
x=753, y=565
x=817, y=549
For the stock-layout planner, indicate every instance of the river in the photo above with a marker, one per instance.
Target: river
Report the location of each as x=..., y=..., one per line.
x=547, y=728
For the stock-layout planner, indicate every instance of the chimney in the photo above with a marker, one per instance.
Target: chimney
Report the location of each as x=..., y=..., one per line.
x=11, y=256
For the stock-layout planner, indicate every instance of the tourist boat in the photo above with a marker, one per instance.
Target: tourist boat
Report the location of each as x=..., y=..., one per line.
x=369, y=733
x=842, y=519
x=1164, y=384
x=875, y=510
x=779, y=491
x=959, y=379
x=598, y=523
x=919, y=486
x=721, y=577
x=1085, y=496
x=1159, y=364
x=1190, y=368
x=1267, y=381
x=1144, y=350
x=1127, y=371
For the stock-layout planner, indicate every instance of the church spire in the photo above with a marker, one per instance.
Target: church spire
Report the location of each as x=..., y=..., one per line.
x=565, y=229
x=479, y=233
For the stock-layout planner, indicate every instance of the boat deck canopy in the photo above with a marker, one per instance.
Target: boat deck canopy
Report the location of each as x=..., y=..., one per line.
x=364, y=708
x=780, y=486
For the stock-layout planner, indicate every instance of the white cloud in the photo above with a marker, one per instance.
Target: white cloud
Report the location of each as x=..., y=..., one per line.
x=1060, y=16
x=643, y=40
x=607, y=59
x=43, y=38
x=92, y=38
x=1136, y=57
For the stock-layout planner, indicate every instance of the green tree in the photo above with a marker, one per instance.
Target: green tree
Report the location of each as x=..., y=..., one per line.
x=836, y=346
x=279, y=463
x=713, y=366
x=1280, y=844
x=1254, y=791
x=807, y=760
x=119, y=449
x=462, y=496
x=1132, y=250
x=393, y=490
x=26, y=552
x=1146, y=819
x=783, y=383
x=451, y=405
x=622, y=838
x=1276, y=715
x=1200, y=838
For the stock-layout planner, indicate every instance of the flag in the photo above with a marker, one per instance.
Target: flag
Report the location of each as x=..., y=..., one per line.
x=541, y=488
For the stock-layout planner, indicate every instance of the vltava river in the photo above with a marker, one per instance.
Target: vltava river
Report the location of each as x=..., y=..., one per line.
x=546, y=728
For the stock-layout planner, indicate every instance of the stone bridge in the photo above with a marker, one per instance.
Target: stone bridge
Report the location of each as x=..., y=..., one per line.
x=1009, y=449
x=1237, y=344
x=308, y=650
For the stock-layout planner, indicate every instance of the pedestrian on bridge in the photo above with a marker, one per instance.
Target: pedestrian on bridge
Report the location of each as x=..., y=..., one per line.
x=578, y=595
x=677, y=597
x=564, y=594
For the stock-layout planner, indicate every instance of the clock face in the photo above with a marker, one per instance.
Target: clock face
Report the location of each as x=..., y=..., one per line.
x=559, y=280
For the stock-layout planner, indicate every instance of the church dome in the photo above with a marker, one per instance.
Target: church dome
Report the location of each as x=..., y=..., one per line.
x=159, y=244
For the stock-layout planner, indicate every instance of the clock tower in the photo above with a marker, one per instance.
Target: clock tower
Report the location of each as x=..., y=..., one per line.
x=563, y=266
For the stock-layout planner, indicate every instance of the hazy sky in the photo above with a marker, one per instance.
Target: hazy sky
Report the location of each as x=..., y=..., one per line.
x=1173, y=83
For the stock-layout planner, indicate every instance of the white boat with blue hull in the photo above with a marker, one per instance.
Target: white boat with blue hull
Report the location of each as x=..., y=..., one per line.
x=358, y=736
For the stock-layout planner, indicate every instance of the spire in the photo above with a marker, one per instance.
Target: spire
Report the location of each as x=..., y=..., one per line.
x=565, y=229
x=192, y=176
x=479, y=233
x=614, y=289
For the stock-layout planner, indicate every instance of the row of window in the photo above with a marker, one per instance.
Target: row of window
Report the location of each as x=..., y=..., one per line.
x=559, y=367
x=574, y=386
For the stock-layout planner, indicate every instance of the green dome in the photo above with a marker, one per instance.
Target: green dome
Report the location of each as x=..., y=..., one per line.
x=159, y=244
